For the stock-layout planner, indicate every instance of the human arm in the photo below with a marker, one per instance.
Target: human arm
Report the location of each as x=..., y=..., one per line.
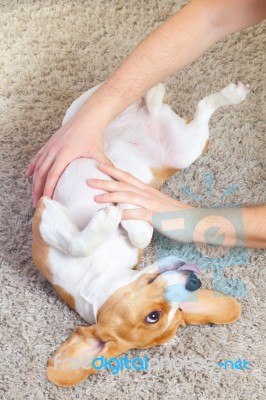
x=176, y=43
x=241, y=226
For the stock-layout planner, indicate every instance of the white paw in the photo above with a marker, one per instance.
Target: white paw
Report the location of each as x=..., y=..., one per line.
x=106, y=220
x=57, y=225
x=139, y=233
x=235, y=93
x=103, y=224
x=58, y=216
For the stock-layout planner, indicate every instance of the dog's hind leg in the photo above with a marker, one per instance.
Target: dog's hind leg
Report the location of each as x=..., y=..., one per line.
x=231, y=94
x=189, y=143
x=59, y=230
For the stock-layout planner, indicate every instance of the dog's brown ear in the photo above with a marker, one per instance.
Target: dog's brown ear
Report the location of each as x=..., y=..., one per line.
x=210, y=306
x=71, y=363
x=67, y=366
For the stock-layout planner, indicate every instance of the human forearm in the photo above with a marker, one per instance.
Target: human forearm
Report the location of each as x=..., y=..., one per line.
x=177, y=42
x=230, y=227
x=180, y=40
x=227, y=226
x=255, y=226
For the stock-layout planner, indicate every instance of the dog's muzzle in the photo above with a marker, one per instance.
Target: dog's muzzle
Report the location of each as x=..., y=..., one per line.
x=193, y=282
x=191, y=270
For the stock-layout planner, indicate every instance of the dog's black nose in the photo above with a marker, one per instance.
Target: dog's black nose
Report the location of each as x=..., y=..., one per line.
x=193, y=282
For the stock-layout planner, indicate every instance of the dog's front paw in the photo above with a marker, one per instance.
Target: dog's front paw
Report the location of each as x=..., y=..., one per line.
x=106, y=220
x=235, y=93
x=103, y=224
x=139, y=233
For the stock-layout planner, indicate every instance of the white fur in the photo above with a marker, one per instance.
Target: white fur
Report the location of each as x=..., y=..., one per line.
x=91, y=255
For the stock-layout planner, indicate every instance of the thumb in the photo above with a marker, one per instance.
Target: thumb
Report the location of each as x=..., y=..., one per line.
x=99, y=156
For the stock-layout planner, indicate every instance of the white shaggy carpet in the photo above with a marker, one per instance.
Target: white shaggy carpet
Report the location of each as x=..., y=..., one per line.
x=51, y=51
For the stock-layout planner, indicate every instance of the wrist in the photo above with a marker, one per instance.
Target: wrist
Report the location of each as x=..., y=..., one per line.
x=103, y=106
x=180, y=205
x=90, y=114
x=217, y=226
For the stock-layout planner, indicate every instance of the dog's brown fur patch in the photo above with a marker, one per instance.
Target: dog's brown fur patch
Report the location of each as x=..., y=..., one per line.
x=205, y=147
x=67, y=297
x=160, y=175
x=140, y=255
x=40, y=249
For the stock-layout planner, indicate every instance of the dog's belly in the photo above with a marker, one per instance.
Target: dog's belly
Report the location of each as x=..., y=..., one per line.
x=73, y=192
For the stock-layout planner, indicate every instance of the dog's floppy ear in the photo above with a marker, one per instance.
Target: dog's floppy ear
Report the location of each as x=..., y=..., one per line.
x=71, y=363
x=210, y=306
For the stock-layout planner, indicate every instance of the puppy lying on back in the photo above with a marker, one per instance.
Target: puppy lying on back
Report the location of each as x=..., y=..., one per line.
x=88, y=253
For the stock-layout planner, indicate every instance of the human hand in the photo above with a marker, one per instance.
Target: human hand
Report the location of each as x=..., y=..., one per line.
x=80, y=137
x=128, y=189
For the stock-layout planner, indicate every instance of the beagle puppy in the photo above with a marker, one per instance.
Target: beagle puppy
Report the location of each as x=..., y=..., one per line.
x=88, y=254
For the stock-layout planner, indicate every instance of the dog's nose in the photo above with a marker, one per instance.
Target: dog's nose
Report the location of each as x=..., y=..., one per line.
x=193, y=282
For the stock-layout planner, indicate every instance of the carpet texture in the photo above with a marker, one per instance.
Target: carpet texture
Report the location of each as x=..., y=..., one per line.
x=51, y=51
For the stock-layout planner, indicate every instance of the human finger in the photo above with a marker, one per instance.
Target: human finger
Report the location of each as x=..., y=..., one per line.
x=31, y=167
x=100, y=156
x=113, y=186
x=61, y=162
x=138, y=214
x=121, y=175
x=40, y=177
x=124, y=197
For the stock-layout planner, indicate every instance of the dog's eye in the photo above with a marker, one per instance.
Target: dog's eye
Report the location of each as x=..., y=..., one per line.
x=153, y=317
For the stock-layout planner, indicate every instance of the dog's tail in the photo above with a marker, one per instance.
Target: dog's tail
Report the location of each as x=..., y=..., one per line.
x=154, y=98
